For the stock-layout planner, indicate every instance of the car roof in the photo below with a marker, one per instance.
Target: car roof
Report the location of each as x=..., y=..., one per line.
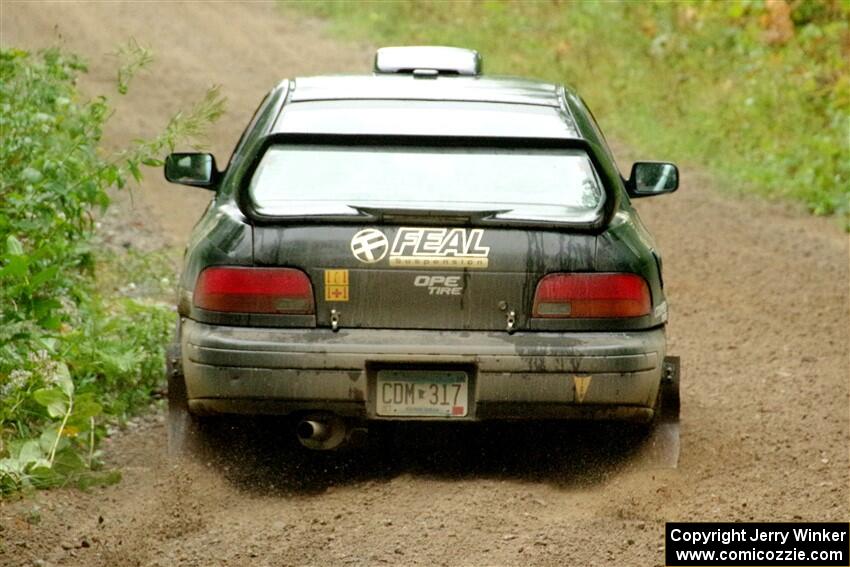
x=443, y=87
x=449, y=105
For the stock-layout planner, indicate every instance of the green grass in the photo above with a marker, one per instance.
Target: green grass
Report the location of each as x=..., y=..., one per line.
x=711, y=83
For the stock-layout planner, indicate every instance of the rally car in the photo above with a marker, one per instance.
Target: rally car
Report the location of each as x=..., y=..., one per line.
x=422, y=243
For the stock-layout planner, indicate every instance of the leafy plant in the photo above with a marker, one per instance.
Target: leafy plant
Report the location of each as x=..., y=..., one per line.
x=74, y=352
x=135, y=57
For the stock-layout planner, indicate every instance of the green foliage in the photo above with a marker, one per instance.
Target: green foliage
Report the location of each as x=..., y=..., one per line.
x=134, y=57
x=74, y=351
x=759, y=92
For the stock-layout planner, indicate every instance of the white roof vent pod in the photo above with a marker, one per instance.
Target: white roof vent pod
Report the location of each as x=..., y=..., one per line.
x=428, y=61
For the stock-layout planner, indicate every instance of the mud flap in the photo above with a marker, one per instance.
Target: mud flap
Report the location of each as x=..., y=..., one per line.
x=661, y=446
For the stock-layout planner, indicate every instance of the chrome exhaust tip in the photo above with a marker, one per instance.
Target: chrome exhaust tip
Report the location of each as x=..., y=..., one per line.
x=322, y=432
x=312, y=429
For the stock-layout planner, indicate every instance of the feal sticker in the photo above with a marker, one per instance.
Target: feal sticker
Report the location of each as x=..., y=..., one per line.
x=415, y=247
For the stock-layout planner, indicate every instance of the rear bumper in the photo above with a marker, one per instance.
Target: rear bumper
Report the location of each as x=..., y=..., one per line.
x=524, y=375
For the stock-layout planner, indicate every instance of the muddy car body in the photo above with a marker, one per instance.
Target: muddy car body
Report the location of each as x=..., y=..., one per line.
x=425, y=243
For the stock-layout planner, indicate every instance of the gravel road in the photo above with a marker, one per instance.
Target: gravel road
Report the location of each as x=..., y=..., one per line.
x=759, y=314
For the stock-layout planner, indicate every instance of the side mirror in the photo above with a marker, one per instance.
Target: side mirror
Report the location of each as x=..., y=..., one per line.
x=197, y=170
x=650, y=178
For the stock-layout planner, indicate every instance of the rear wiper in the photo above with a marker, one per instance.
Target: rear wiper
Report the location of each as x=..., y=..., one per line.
x=387, y=213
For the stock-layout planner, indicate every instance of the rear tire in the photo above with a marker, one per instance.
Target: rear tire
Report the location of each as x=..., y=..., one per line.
x=669, y=390
x=667, y=401
x=660, y=446
x=186, y=437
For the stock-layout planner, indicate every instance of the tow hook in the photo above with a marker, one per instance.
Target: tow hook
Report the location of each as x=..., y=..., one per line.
x=510, y=321
x=334, y=320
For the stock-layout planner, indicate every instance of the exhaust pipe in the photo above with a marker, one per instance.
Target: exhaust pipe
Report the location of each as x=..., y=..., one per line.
x=322, y=432
x=314, y=430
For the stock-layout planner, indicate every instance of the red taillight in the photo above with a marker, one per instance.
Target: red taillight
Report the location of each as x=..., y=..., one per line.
x=254, y=290
x=591, y=295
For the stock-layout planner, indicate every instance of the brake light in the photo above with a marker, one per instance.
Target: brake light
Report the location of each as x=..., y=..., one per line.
x=591, y=295
x=254, y=290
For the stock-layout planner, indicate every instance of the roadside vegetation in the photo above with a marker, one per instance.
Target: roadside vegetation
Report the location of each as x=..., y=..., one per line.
x=758, y=91
x=79, y=351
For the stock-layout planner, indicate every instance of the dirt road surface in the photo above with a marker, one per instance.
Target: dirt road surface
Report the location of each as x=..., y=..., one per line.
x=759, y=314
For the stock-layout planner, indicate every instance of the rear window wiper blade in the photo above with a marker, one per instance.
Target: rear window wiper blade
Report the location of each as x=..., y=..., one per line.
x=385, y=213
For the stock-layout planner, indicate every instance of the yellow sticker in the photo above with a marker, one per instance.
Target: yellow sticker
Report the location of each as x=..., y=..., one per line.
x=336, y=285
x=336, y=293
x=582, y=383
x=336, y=277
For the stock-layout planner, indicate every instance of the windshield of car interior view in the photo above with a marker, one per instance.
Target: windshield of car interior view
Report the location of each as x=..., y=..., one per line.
x=557, y=185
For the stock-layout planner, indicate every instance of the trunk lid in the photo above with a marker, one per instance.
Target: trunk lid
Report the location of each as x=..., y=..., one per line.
x=423, y=277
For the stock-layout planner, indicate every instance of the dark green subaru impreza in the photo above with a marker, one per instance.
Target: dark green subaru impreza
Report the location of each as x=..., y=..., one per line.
x=424, y=243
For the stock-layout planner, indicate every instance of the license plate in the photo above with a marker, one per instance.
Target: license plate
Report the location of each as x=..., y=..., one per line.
x=422, y=393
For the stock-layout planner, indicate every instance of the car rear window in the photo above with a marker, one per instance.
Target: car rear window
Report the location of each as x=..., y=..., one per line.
x=557, y=185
